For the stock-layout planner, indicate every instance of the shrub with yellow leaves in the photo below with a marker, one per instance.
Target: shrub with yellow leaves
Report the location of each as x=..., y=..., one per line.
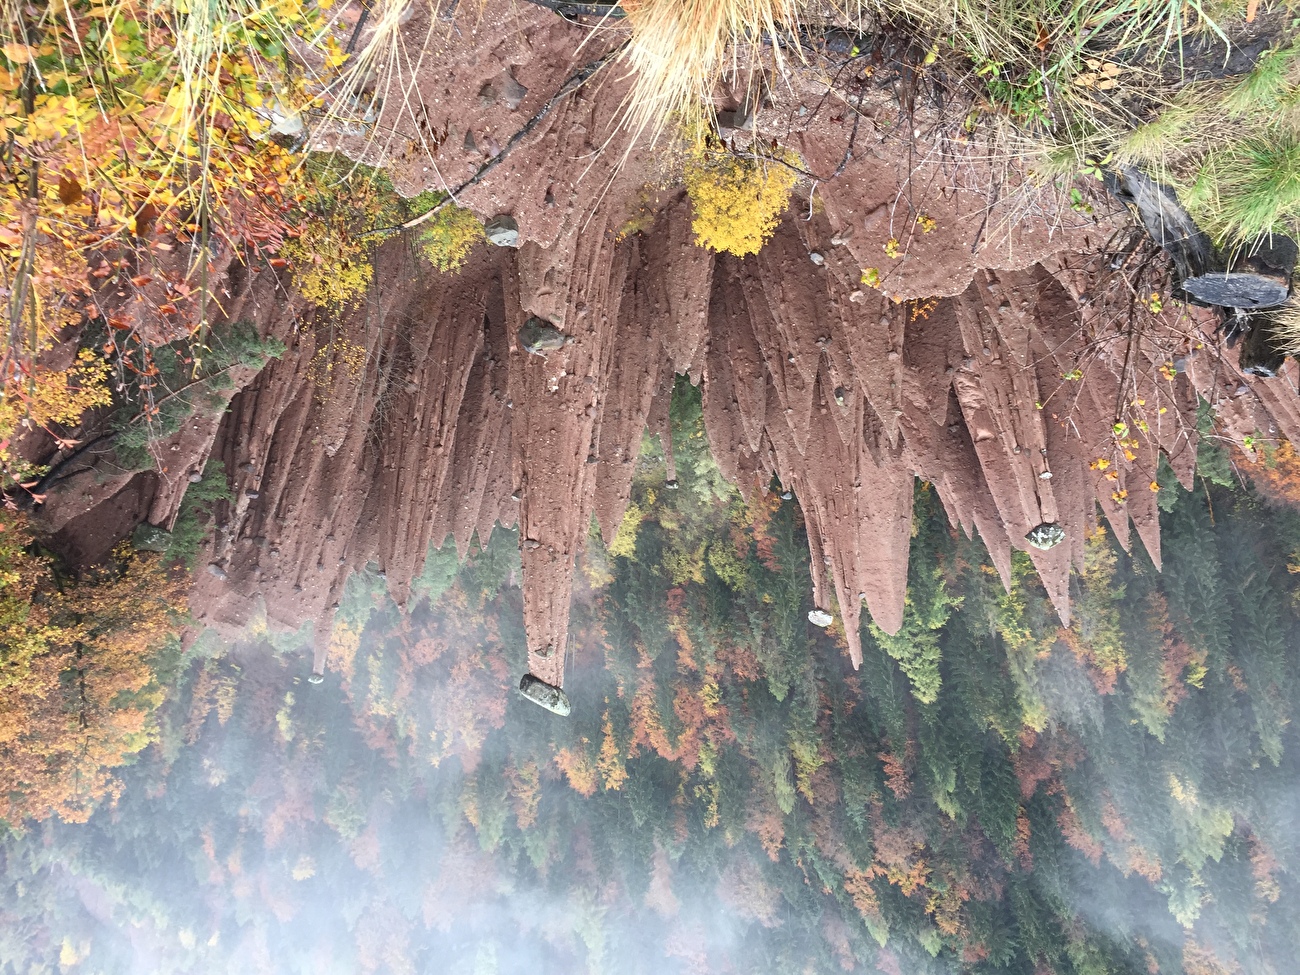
x=448, y=238
x=331, y=266
x=736, y=201
x=45, y=397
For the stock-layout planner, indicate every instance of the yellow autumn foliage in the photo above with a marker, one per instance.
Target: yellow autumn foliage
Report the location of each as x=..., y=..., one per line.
x=78, y=693
x=448, y=238
x=736, y=202
x=624, y=543
x=331, y=265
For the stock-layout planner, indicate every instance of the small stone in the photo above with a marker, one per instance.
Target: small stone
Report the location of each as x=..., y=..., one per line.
x=819, y=617
x=470, y=145
x=217, y=572
x=151, y=538
x=513, y=93
x=857, y=297
x=839, y=395
x=544, y=695
x=252, y=495
x=502, y=230
x=671, y=485
x=538, y=337
x=195, y=477
x=816, y=258
x=531, y=544
x=487, y=95
x=1045, y=476
x=248, y=467
x=1045, y=536
x=787, y=495
x=316, y=679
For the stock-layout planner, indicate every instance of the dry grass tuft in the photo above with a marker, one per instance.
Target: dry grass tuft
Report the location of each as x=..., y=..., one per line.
x=680, y=48
x=1286, y=327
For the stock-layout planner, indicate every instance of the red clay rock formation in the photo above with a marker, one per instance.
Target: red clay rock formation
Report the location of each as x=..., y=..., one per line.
x=451, y=419
x=952, y=370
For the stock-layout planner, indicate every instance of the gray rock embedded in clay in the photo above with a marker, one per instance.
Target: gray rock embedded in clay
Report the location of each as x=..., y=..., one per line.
x=1047, y=535
x=538, y=337
x=819, y=617
x=151, y=538
x=731, y=124
x=544, y=695
x=316, y=679
x=502, y=230
x=512, y=92
x=216, y=571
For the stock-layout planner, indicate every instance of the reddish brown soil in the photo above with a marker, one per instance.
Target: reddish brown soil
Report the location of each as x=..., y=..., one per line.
x=450, y=418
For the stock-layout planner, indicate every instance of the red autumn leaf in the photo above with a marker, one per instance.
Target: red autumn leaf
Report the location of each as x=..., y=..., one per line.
x=279, y=262
x=167, y=309
x=140, y=280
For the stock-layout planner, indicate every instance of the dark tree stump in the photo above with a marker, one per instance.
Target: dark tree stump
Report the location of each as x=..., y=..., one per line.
x=1254, y=281
x=1259, y=354
x=1164, y=219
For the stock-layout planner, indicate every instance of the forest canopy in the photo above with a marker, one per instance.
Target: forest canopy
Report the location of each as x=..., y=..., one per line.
x=991, y=791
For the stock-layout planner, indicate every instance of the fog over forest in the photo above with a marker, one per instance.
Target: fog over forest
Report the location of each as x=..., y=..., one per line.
x=989, y=792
